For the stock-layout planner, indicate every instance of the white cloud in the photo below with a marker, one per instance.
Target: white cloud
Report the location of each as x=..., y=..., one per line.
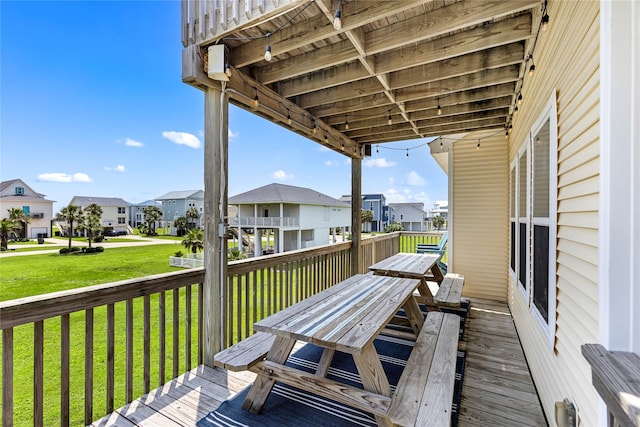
x=132, y=143
x=393, y=196
x=330, y=163
x=281, y=175
x=414, y=179
x=231, y=134
x=64, y=177
x=378, y=162
x=182, y=138
x=119, y=168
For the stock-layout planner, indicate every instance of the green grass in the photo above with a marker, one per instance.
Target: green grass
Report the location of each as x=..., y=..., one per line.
x=31, y=248
x=36, y=274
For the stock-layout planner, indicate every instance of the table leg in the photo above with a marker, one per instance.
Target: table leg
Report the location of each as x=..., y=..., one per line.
x=372, y=375
x=325, y=362
x=414, y=315
x=427, y=296
x=262, y=386
x=437, y=273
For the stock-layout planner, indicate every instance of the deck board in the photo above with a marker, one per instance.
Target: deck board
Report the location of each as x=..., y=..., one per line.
x=497, y=387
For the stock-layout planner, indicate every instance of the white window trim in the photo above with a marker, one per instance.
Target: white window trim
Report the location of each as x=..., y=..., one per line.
x=548, y=113
x=526, y=292
x=513, y=217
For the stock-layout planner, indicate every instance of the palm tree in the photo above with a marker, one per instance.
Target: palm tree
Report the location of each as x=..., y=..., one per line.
x=192, y=216
x=366, y=217
x=92, y=221
x=6, y=226
x=180, y=224
x=194, y=240
x=19, y=218
x=70, y=214
x=152, y=214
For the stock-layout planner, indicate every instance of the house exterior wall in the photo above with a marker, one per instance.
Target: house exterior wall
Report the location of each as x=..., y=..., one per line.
x=315, y=217
x=567, y=61
x=40, y=214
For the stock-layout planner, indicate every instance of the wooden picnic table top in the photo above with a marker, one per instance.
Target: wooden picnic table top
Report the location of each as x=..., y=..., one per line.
x=345, y=317
x=406, y=265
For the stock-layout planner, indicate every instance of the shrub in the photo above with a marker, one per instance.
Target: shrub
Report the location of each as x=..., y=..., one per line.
x=98, y=239
x=99, y=249
x=396, y=226
x=178, y=254
x=75, y=249
x=63, y=251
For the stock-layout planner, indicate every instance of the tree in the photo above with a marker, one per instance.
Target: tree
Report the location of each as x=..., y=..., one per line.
x=194, y=240
x=19, y=218
x=180, y=224
x=6, y=226
x=438, y=221
x=91, y=222
x=366, y=217
x=71, y=214
x=152, y=214
x=192, y=217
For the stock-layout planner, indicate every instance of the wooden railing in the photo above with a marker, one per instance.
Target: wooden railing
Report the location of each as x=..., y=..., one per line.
x=68, y=343
x=69, y=339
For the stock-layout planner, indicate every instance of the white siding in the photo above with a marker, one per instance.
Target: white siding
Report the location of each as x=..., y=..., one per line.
x=480, y=215
x=567, y=60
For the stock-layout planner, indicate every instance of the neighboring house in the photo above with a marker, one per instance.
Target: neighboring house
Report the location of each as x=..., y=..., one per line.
x=440, y=207
x=376, y=203
x=16, y=193
x=115, y=211
x=136, y=212
x=176, y=204
x=301, y=217
x=411, y=215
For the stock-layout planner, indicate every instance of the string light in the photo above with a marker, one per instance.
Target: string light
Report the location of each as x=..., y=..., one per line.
x=439, y=108
x=346, y=125
x=288, y=117
x=315, y=127
x=532, y=68
x=515, y=110
x=407, y=152
x=520, y=98
x=378, y=149
x=337, y=21
x=267, y=50
x=545, y=20
x=256, y=101
x=227, y=69
x=326, y=137
x=389, y=121
x=478, y=146
x=342, y=145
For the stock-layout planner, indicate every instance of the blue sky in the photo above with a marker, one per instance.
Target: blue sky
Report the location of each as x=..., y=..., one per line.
x=92, y=104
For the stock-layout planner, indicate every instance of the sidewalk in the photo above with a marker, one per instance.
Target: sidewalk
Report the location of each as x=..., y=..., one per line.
x=110, y=242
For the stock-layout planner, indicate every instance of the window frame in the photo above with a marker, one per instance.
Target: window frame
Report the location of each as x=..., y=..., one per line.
x=525, y=288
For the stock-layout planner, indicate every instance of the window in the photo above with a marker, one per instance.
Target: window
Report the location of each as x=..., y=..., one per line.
x=26, y=210
x=19, y=191
x=121, y=210
x=533, y=219
x=121, y=220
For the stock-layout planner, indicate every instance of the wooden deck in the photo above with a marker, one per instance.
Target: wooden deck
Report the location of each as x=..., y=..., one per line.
x=497, y=389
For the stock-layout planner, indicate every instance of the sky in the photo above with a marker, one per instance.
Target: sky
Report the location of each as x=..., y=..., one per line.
x=92, y=104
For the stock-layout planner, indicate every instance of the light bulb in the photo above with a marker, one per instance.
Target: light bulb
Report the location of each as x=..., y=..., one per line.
x=346, y=126
x=256, y=101
x=478, y=146
x=439, y=110
x=515, y=110
x=288, y=119
x=389, y=121
x=267, y=53
x=227, y=70
x=520, y=99
x=337, y=22
x=532, y=69
x=315, y=128
x=545, y=22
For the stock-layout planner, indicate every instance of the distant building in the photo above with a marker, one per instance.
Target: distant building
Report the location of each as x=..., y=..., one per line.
x=16, y=193
x=176, y=204
x=376, y=203
x=440, y=207
x=411, y=215
x=301, y=217
x=115, y=211
x=136, y=212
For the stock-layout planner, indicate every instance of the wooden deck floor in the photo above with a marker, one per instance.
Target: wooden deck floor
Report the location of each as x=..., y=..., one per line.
x=497, y=386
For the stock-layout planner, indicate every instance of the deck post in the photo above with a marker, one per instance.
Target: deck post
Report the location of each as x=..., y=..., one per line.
x=216, y=109
x=356, y=207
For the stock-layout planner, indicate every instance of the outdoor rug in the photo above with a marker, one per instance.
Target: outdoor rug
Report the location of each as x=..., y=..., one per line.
x=289, y=406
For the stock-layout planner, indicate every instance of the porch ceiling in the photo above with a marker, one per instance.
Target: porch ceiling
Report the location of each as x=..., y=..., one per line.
x=385, y=72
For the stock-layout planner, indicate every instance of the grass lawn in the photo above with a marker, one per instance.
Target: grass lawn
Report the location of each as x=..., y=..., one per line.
x=31, y=248
x=37, y=274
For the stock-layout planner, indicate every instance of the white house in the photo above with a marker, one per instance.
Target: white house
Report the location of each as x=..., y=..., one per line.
x=176, y=204
x=411, y=215
x=16, y=194
x=301, y=217
x=136, y=212
x=115, y=211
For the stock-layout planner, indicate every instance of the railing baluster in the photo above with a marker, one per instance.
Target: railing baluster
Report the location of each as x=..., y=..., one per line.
x=254, y=287
x=129, y=352
x=7, y=377
x=110, y=356
x=176, y=332
x=247, y=306
x=88, y=366
x=64, y=369
x=38, y=373
x=200, y=324
x=161, y=337
x=187, y=329
x=146, y=344
x=230, y=297
x=262, y=296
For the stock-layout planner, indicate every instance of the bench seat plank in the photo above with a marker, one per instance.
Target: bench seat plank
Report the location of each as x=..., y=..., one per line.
x=450, y=291
x=246, y=353
x=424, y=394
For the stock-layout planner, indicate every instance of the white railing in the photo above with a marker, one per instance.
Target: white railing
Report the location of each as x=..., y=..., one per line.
x=186, y=262
x=276, y=221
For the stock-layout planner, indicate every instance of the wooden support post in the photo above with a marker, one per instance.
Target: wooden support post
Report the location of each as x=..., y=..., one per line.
x=356, y=207
x=216, y=109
